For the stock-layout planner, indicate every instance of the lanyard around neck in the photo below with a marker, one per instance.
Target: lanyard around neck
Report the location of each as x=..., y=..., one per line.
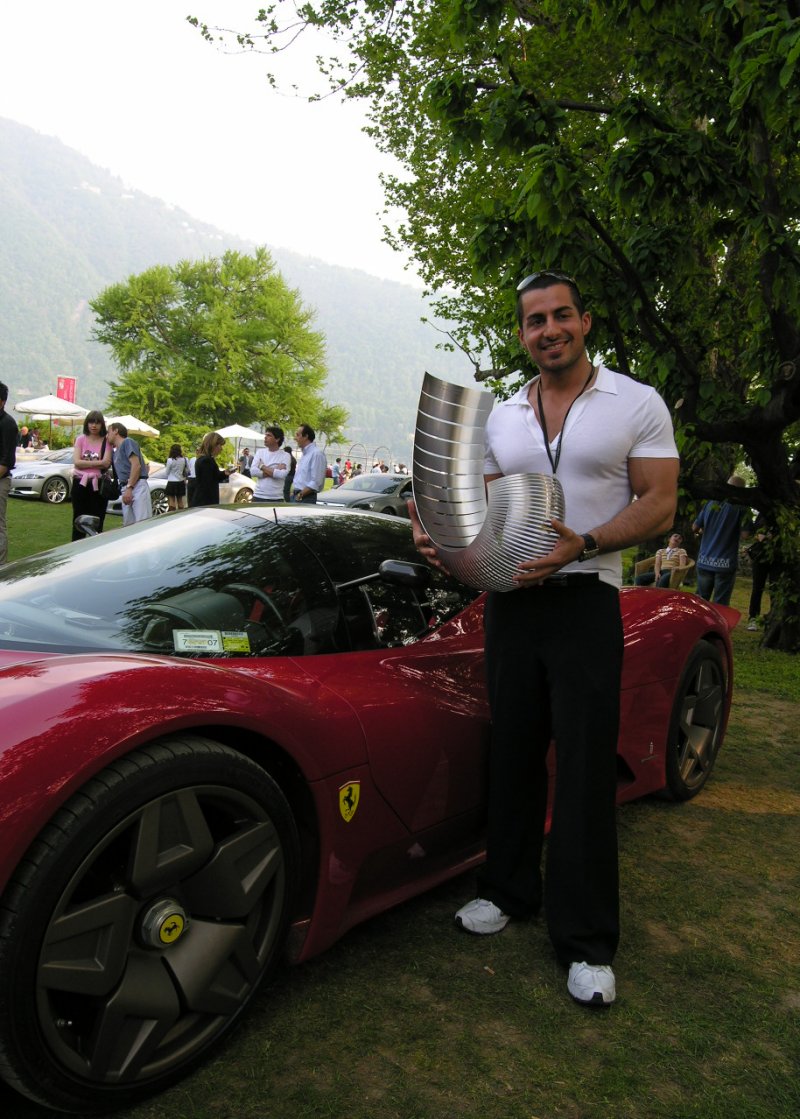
x=555, y=461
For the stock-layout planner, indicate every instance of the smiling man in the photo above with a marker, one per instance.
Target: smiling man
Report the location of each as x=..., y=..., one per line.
x=554, y=646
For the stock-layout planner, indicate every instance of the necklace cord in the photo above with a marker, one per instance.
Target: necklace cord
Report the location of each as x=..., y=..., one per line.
x=543, y=422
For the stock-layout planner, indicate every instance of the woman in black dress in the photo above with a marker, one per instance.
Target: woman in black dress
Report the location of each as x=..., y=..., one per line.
x=207, y=474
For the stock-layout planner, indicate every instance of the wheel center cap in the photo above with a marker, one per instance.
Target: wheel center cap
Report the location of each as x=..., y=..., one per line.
x=163, y=923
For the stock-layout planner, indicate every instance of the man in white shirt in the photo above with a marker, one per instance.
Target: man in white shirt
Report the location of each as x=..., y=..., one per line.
x=269, y=466
x=554, y=646
x=309, y=478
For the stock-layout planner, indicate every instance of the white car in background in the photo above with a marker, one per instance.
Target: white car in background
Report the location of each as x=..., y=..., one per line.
x=236, y=490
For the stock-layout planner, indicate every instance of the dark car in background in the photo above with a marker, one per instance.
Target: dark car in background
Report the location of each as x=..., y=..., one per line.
x=380, y=493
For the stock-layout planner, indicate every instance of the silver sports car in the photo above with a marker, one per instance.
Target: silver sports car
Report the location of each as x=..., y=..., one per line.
x=48, y=478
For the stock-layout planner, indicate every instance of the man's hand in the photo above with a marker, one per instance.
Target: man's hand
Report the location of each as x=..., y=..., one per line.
x=567, y=549
x=127, y=496
x=422, y=542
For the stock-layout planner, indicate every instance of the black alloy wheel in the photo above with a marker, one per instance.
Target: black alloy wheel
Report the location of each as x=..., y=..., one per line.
x=696, y=724
x=141, y=923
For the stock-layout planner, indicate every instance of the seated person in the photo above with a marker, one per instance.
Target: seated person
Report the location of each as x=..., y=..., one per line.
x=674, y=555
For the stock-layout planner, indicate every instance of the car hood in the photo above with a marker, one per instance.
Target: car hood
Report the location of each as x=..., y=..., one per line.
x=360, y=498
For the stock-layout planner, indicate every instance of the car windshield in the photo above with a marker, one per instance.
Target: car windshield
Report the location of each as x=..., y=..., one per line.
x=373, y=483
x=218, y=582
x=206, y=584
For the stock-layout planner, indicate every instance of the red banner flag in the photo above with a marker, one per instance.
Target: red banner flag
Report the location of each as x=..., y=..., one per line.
x=67, y=388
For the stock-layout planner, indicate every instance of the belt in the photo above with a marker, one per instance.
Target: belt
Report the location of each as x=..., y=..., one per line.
x=571, y=579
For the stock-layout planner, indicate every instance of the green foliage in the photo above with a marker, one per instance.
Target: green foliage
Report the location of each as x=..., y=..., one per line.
x=650, y=149
x=214, y=342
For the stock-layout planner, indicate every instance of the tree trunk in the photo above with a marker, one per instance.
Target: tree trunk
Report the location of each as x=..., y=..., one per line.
x=782, y=629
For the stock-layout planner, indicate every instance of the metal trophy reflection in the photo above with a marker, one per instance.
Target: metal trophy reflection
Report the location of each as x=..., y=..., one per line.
x=480, y=541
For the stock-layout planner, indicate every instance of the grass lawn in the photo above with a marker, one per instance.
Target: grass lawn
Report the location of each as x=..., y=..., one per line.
x=409, y=1018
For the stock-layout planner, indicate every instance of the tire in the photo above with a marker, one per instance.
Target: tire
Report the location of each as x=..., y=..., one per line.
x=140, y=924
x=55, y=490
x=159, y=503
x=243, y=495
x=696, y=723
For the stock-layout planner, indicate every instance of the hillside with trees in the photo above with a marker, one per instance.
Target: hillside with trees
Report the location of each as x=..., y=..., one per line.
x=69, y=229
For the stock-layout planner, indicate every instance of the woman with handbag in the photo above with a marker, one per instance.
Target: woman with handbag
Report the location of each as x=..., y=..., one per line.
x=91, y=457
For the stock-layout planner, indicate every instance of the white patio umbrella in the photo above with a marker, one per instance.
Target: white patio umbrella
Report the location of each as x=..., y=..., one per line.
x=237, y=434
x=48, y=407
x=134, y=426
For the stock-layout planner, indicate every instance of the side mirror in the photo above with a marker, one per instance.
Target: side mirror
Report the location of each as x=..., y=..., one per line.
x=397, y=573
x=403, y=573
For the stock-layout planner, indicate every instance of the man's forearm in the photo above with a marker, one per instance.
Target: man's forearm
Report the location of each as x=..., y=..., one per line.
x=641, y=520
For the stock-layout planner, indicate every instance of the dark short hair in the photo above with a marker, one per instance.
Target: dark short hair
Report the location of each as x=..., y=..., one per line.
x=121, y=428
x=95, y=418
x=3, y=392
x=175, y=451
x=537, y=281
x=275, y=431
x=308, y=431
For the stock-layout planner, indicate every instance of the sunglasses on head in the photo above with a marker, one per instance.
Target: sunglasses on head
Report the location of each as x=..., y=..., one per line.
x=562, y=277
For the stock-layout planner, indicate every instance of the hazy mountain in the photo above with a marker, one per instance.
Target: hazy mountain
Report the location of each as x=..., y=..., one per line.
x=68, y=229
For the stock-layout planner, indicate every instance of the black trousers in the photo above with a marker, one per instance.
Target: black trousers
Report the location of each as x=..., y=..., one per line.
x=554, y=664
x=85, y=499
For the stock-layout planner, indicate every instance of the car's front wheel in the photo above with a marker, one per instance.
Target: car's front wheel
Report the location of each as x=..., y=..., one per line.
x=696, y=724
x=55, y=490
x=243, y=495
x=141, y=923
x=159, y=503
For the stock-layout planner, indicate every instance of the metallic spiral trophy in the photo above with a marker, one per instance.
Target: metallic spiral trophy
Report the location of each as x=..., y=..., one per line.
x=479, y=542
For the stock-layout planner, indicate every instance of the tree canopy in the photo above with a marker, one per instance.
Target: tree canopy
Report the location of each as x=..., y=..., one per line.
x=214, y=342
x=647, y=147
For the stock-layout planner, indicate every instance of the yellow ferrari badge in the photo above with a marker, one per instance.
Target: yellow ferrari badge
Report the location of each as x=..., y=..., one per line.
x=171, y=928
x=349, y=796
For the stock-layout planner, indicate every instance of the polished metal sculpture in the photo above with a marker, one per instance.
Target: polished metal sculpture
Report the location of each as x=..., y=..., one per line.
x=479, y=541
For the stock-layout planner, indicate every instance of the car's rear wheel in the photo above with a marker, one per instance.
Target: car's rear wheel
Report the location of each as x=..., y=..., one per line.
x=697, y=723
x=55, y=490
x=159, y=503
x=244, y=494
x=140, y=924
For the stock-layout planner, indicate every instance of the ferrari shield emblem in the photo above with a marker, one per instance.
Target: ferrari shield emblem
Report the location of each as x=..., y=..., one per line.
x=349, y=796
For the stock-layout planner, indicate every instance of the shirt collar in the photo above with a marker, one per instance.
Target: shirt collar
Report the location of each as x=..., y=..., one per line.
x=603, y=382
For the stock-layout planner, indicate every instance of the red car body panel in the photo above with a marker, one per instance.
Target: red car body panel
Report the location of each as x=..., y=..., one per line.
x=410, y=724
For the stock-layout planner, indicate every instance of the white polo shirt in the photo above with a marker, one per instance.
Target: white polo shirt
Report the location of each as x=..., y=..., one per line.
x=615, y=420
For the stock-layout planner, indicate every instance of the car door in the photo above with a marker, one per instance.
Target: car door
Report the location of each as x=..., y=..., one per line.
x=422, y=705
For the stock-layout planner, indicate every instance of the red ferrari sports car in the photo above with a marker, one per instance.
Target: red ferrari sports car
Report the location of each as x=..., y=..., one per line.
x=230, y=735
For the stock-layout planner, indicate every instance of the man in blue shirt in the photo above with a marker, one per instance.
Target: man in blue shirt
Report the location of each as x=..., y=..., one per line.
x=309, y=478
x=719, y=525
x=132, y=472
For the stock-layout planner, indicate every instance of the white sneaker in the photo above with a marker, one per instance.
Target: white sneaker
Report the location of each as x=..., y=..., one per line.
x=482, y=917
x=752, y=625
x=592, y=984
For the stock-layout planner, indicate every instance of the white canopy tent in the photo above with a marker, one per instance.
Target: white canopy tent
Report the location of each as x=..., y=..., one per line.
x=238, y=434
x=134, y=426
x=50, y=407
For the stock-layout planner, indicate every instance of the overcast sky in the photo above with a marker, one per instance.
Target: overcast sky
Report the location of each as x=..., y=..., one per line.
x=135, y=88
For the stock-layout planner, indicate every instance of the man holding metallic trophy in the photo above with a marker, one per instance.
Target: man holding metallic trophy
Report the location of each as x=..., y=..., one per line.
x=495, y=489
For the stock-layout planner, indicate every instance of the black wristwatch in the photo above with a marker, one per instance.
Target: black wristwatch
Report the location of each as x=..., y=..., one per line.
x=590, y=548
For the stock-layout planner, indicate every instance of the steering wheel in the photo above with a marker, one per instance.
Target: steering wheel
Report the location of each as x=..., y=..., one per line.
x=257, y=593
